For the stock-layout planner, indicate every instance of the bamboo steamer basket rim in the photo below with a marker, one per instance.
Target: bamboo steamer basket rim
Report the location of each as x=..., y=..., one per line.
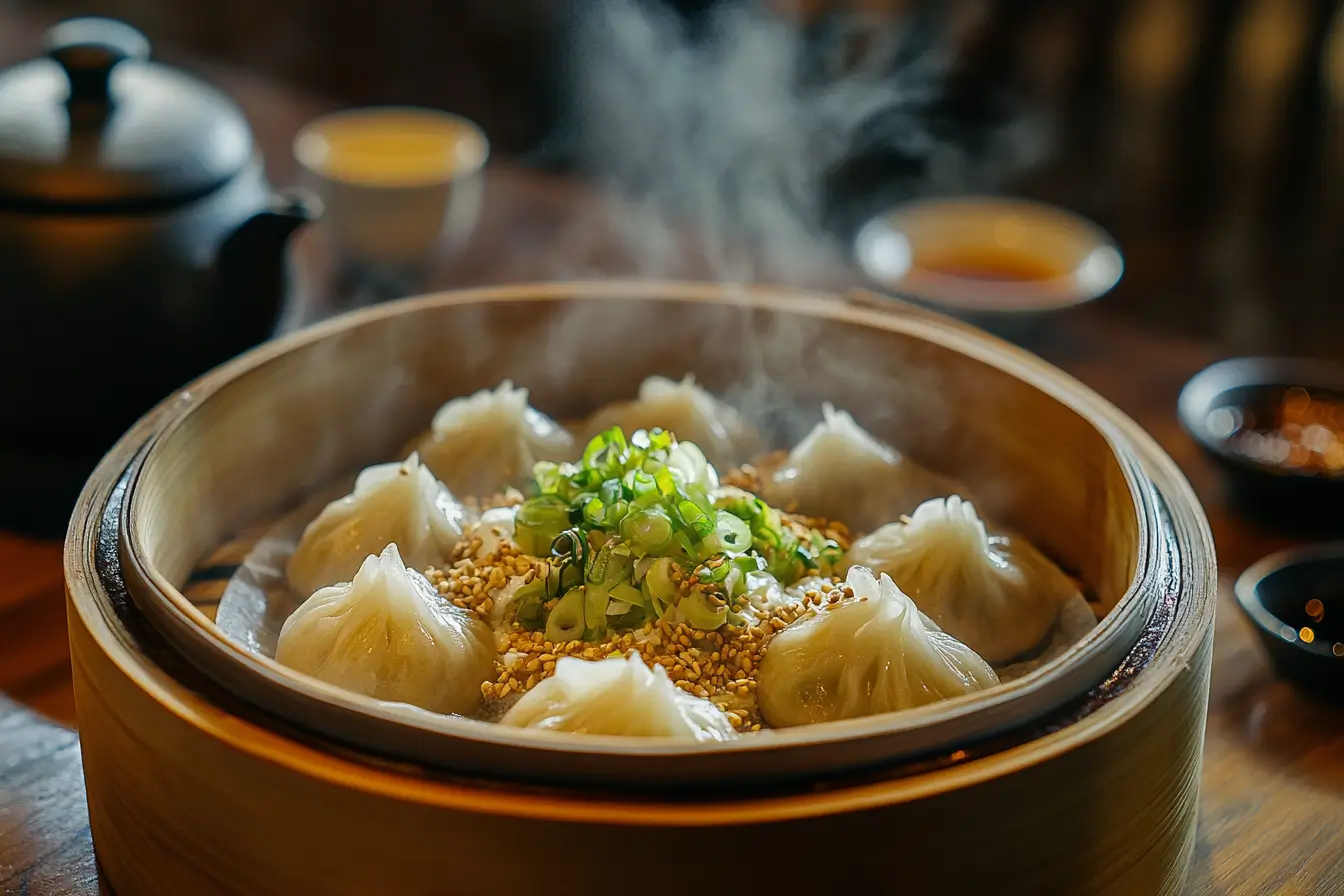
x=167, y=608
x=261, y=742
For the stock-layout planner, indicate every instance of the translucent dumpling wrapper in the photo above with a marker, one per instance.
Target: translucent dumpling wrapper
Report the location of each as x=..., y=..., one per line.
x=997, y=594
x=483, y=442
x=397, y=502
x=871, y=653
x=688, y=412
x=841, y=472
x=618, y=697
x=388, y=634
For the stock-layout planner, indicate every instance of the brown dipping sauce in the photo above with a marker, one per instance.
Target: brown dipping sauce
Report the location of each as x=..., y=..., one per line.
x=987, y=263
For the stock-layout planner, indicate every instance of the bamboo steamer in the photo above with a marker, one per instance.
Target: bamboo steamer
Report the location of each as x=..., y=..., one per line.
x=191, y=789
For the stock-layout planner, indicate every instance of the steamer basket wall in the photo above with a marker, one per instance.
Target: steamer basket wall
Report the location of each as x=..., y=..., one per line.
x=1077, y=794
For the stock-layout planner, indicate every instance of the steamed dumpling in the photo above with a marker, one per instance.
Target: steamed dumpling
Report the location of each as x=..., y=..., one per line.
x=619, y=697
x=482, y=442
x=995, y=593
x=388, y=634
x=840, y=472
x=397, y=502
x=688, y=412
x=870, y=653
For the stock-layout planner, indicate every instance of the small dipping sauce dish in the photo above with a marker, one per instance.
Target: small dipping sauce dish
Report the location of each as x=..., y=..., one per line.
x=401, y=186
x=987, y=255
x=1295, y=601
x=1275, y=427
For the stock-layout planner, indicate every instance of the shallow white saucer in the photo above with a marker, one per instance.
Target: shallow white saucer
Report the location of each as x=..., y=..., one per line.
x=901, y=249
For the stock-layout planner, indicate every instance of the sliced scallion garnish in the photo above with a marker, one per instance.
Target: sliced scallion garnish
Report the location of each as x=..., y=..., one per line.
x=633, y=524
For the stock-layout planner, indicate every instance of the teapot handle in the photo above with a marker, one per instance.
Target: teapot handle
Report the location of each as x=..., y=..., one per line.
x=88, y=49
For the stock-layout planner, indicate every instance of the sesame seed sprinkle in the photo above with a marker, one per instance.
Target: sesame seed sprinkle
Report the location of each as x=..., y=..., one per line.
x=719, y=666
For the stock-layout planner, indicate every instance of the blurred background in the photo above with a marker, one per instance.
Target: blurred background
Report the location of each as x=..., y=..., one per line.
x=1205, y=134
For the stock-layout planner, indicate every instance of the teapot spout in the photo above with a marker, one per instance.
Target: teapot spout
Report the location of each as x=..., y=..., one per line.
x=251, y=270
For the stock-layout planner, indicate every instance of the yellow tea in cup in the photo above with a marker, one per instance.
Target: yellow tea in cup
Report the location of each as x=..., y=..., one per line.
x=399, y=185
x=392, y=147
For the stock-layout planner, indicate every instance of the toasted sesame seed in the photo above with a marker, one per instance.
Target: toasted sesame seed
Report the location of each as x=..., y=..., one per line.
x=719, y=666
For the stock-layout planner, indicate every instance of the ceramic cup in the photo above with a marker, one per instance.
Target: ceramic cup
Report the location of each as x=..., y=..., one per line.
x=988, y=254
x=401, y=186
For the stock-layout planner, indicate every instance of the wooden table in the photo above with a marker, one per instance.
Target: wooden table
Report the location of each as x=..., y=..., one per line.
x=1273, y=786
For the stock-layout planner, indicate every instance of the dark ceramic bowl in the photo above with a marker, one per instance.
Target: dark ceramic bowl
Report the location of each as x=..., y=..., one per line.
x=1295, y=600
x=1288, y=498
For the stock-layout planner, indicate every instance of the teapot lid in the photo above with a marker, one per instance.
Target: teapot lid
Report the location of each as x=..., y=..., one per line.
x=95, y=126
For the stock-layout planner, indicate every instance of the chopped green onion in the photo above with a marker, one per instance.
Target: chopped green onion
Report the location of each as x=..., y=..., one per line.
x=569, y=577
x=715, y=569
x=592, y=512
x=695, y=518
x=659, y=586
x=566, y=621
x=610, y=491
x=538, y=521
x=595, y=611
x=611, y=564
x=688, y=462
x=649, y=531
x=702, y=612
x=529, y=604
x=634, y=514
x=632, y=618
x=615, y=512
x=642, y=566
x=627, y=594
x=662, y=477
x=734, y=534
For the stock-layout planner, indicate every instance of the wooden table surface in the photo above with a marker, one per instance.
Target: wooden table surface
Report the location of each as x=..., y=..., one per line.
x=1273, y=787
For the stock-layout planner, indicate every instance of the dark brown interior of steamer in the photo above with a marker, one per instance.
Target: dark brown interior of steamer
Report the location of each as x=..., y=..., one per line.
x=356, y=396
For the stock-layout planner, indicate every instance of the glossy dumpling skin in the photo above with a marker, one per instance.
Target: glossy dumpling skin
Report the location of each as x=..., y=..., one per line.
x=995, y=593
x=397, y=502
x=841, y=472
x=388, y=634
x=871, y=653
x=688, y=412
x=483, y=442
x=618, y=697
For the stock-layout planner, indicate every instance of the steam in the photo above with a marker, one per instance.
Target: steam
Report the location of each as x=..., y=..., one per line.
x=722, y=144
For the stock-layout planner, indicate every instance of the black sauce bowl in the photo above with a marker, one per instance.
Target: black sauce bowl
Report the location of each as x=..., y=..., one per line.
x=1290, y=499
x=1295, y=600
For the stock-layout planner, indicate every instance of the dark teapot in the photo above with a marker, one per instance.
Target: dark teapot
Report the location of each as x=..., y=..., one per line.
x=140, y=245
